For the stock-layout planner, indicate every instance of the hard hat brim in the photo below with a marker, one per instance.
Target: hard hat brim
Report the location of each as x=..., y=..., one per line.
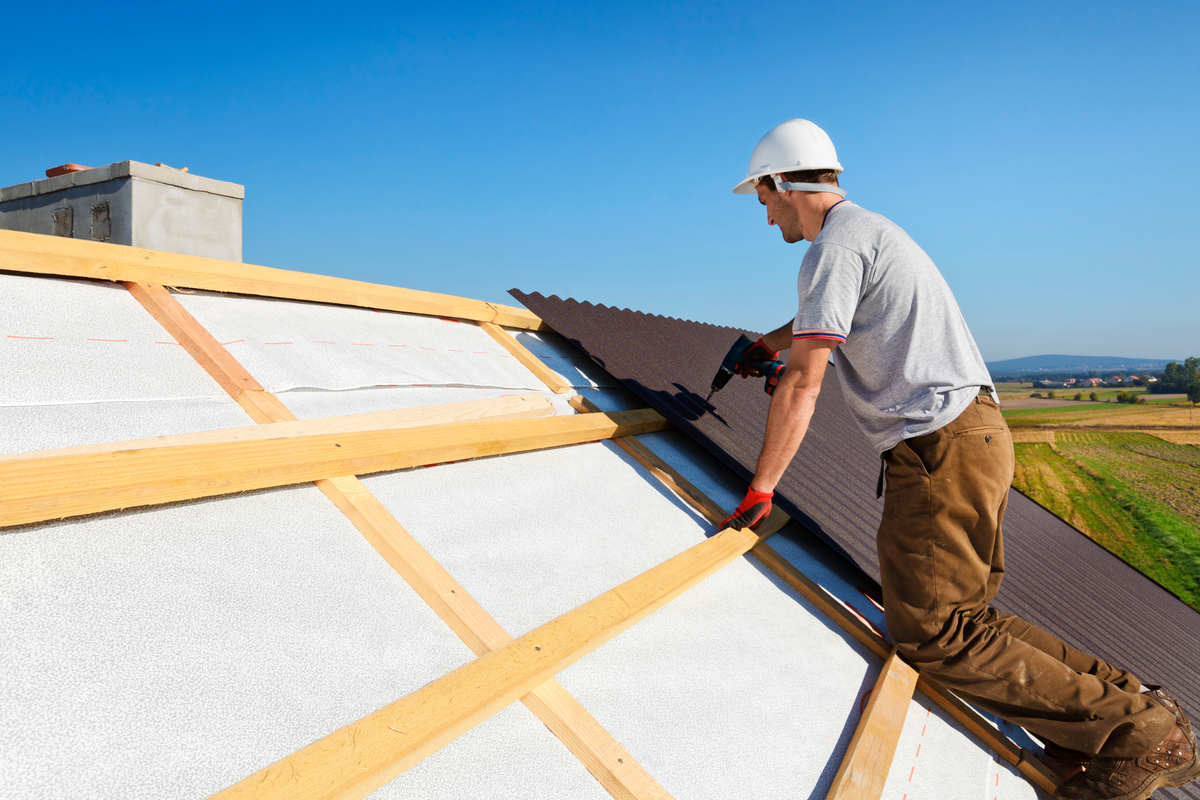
x=747, y=185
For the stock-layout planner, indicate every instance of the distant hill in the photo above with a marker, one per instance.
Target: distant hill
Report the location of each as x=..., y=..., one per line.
x=1031, y=364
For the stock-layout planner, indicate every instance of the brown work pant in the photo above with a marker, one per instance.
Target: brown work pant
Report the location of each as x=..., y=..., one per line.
x=942, y=559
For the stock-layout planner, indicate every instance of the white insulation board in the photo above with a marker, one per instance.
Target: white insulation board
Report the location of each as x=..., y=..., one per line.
x=76, y=341
x=534, y=535
x=287, y=345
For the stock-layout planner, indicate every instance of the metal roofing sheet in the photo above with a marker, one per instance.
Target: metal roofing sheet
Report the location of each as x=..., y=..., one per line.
x=1056, y=577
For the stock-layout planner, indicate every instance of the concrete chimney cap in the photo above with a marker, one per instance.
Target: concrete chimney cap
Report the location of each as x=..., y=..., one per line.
x=123, y=169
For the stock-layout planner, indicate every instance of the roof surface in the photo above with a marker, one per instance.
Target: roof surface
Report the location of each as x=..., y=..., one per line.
x=1056, y=576
x=191, y=644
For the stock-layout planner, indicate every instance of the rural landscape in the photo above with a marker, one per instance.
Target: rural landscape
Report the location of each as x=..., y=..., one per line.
x=1121, y=464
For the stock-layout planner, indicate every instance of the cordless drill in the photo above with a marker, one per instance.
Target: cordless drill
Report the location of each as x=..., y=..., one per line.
x=771, y=368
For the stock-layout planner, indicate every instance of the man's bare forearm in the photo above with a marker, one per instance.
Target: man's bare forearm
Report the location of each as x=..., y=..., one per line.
x=792, y=408
x=780, y=338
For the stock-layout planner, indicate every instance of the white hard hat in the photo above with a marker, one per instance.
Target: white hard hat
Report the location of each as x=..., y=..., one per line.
x=789, y=147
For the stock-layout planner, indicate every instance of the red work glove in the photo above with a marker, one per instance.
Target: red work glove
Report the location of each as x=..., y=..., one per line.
x=750, y=514
x=755, y=352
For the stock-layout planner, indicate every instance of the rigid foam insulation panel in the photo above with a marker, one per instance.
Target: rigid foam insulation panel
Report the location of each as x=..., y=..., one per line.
x=76, y=341
x=173, y=651
x=735, y=663
x=287, y=344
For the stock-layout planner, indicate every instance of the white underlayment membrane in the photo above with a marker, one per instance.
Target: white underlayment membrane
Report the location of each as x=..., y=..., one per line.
x=49, y=427
x=286, y=345
x=189, y=646
x=937, y=758
x=310, y=404
x=558, y=354
x=75, y=341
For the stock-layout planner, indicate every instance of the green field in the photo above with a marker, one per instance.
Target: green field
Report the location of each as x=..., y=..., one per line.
x=1133, y=493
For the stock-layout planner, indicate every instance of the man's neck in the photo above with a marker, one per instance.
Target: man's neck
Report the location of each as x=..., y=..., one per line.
x=817, y=209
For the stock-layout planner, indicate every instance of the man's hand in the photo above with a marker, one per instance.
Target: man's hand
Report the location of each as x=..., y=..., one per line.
x=774, y=371
x=750, y=514
x=757, y=352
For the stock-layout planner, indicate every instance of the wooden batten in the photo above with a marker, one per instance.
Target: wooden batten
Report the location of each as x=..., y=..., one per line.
x=864, y=768
x=524, y=406
x=361, y=757
x=552, y=379
x=194, y=337
x=54, y=255
x=42, y=488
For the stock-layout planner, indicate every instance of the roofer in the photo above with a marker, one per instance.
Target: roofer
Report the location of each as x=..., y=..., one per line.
x=913, y=378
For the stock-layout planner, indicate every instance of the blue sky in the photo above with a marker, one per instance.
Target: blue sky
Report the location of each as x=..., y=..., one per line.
x=1045, y=155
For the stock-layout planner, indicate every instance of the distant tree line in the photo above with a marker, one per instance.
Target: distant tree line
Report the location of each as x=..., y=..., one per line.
x=1076, y=374
x=1180, y=378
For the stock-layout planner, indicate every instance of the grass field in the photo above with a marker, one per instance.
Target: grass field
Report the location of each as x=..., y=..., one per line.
x=1132, y=492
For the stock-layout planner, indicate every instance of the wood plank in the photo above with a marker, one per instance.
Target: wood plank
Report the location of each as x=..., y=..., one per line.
x=616, y=770
x=864, y=768
x=364, y=755
x=38, y=489
x=196, y=339
x=55, y=255
x=264, y=407
x=525, y=406
x=552, y=379
x=1037, y=772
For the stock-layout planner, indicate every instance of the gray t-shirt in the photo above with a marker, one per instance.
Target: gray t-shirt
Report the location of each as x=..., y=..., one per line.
x=907, y=362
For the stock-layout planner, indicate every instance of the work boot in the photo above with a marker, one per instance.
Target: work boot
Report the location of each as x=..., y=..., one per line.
x=1064, y=761
x=1172, y=763
x=1160, y=696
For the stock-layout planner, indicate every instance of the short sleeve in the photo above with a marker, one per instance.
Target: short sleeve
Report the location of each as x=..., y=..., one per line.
x=829, y=285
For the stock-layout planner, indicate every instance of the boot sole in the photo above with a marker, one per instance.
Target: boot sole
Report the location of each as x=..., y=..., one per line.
x=1183, y=780
x=1172, y=781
